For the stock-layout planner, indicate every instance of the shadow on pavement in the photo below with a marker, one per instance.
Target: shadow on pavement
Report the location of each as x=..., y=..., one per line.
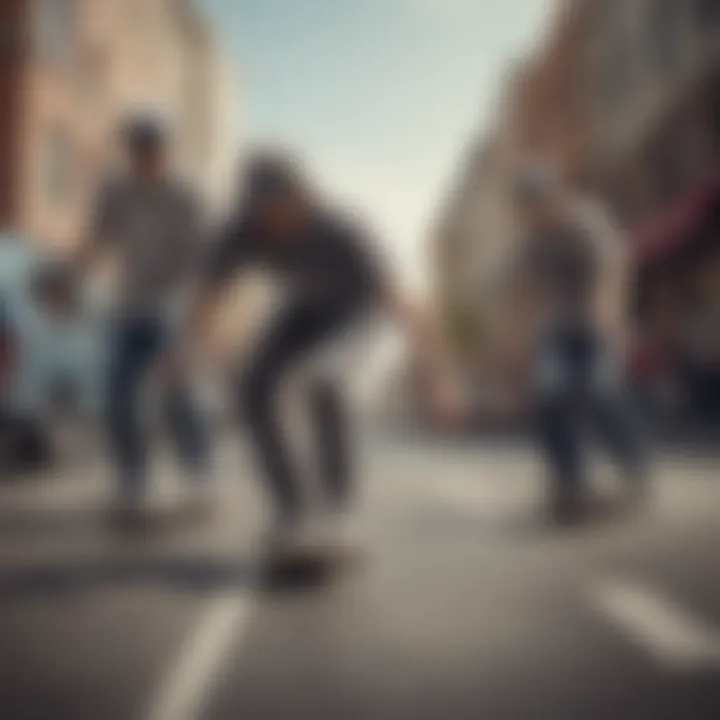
x=535, y=522
x=193, y=575
x=29, y=523
x=183, y=574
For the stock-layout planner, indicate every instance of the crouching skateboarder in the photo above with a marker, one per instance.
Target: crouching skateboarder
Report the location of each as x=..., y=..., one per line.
x=334, y=283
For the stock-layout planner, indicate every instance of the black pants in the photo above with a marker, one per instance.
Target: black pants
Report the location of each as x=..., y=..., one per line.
x=703, y=384
x=298, y=332
x=24, y=445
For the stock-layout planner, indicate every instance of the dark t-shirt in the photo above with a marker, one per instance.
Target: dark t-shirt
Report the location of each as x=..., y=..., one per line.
x=563, y=269
x=331, y=264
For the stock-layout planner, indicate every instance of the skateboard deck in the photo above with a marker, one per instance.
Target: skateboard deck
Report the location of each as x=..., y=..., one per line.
x=309, y=568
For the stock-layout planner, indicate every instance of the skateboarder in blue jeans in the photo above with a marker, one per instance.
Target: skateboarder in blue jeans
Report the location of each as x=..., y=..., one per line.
x=571, y=276
x=152, y=223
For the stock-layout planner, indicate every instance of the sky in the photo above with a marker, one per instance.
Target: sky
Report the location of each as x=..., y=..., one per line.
x=380, y=97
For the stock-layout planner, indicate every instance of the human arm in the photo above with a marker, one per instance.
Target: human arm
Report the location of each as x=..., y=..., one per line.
x=612, y=302
x=434, y=362
x=192, y=234
x=228, y=253
x=520, y=310
x=99, y=231
x=417, y=322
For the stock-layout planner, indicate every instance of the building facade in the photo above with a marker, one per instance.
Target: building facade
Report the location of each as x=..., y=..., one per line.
x=623, y=96
x=657, y=64
x=474, y=244
x=71, y=70
x=225, y=132
x=543, y=113
x=557, y=119
x=12, y=40
x=658, y=162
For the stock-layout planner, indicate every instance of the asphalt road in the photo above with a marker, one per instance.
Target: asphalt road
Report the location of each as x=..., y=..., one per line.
x=469, y=605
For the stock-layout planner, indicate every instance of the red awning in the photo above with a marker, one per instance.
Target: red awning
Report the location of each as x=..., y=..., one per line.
x=676, y=225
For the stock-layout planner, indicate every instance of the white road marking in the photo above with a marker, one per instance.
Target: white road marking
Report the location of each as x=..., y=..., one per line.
x=200, y=659
x=669, y=634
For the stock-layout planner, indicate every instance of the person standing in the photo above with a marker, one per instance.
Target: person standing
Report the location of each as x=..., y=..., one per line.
x=152, y=223
x=333, y=283
x=571, y=282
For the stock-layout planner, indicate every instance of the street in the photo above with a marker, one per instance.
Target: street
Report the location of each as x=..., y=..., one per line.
x=469, y=605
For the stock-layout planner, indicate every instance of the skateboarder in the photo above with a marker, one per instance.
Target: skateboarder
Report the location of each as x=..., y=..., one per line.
x=152, y=223
x=571, y=277
x=333, y=283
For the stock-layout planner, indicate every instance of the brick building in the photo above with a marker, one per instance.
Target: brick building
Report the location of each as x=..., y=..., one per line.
x=545, y=112
x=557, y=118
x=660, y=103
x=658, y=161
x=623, y=96
x=70, y=70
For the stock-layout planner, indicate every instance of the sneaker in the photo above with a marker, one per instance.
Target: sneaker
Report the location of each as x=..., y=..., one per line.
x=342, y=534
x=301, y=540
x=566, y=507
x=129, y=509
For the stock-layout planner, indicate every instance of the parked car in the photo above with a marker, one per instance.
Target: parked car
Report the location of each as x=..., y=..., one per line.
x=55, y=350
x=53, y=353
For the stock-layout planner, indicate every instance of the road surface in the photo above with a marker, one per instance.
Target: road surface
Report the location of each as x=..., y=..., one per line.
x=469, y=607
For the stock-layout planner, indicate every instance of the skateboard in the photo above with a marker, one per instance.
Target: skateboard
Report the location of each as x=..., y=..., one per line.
x=309, y=568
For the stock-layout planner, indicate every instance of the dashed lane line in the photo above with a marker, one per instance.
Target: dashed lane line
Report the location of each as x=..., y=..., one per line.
x=189, y=680
x=672, y=636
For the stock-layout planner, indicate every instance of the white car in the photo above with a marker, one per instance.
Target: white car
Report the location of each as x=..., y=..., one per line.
x=50, y=359
x=53, y=355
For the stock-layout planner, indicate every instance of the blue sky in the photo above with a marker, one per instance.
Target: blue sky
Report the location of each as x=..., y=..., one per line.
x=379, y=96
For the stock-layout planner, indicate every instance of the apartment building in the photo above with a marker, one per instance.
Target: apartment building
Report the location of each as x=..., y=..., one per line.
x=658, y=105
x=71, y=70
x=543, y=113
x=474, y=244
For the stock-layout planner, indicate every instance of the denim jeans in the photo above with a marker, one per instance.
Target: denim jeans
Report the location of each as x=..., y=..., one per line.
x=298, y=333
x=139, y=342
x=577, y=380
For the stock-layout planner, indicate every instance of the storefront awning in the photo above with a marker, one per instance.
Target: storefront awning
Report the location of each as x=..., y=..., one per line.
x=675, y=225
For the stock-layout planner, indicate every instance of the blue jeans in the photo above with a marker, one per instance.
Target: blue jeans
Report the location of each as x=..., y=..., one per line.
x=577, y=379
x=299, y=330
x=139, y=342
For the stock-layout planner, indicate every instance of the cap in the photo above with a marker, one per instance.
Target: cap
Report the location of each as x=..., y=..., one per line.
x=536, y=182
x=272, y=174
x=144, y=131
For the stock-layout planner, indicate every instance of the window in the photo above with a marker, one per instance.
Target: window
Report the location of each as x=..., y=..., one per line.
x=665, y=24
x=58, y=168
x=715, y=122
x=707, y=12
x=612, y=56
x=55, y=29
x=675, y=167
x=616, y=58
x=90, y=72
x=143, y=19
x=619, y=67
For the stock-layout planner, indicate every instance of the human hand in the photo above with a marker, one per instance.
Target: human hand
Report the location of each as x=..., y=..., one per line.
x=448, y=406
